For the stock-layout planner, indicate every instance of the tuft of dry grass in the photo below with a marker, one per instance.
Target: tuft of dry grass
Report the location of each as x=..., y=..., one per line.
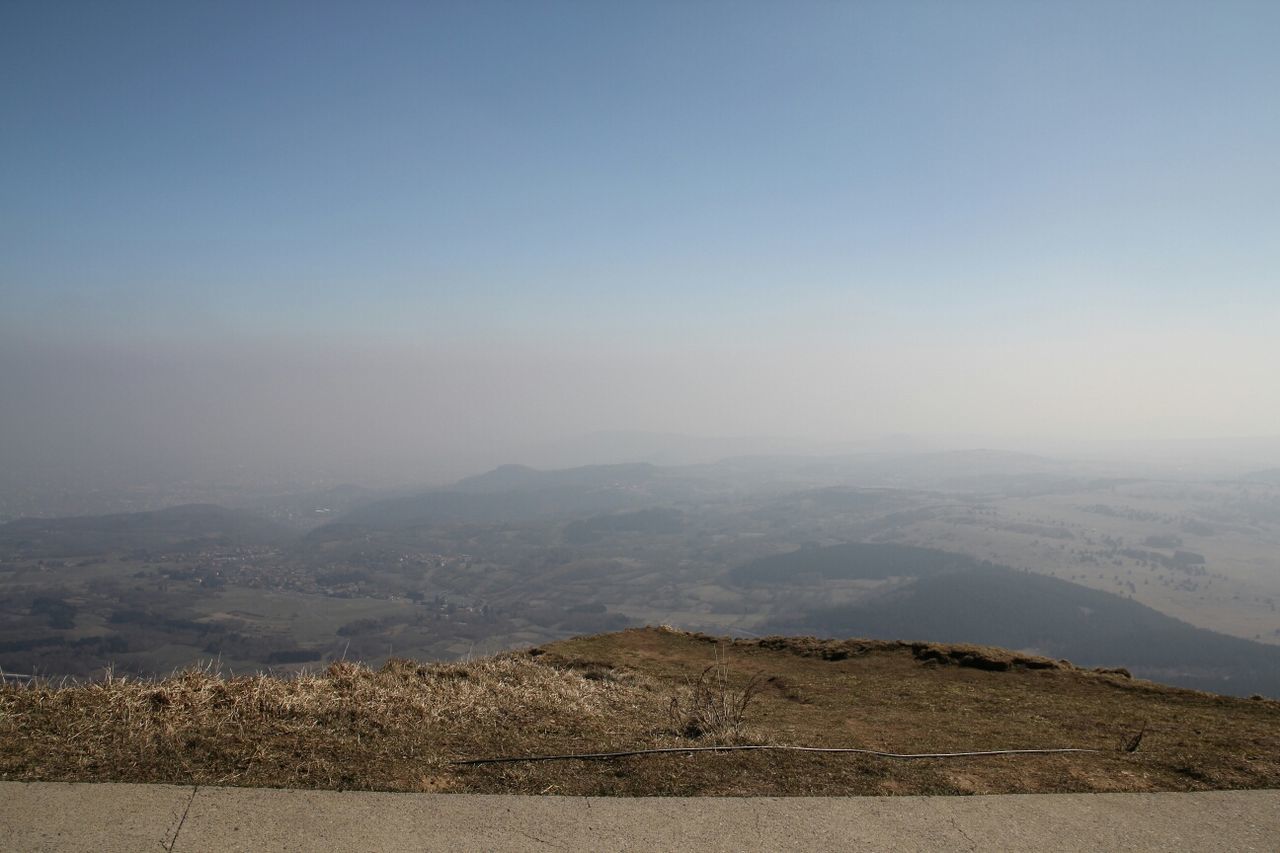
x=712, y=707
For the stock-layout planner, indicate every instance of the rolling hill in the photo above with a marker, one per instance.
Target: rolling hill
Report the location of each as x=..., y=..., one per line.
x=953, y=598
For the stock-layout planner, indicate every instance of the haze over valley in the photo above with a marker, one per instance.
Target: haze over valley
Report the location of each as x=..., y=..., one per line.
x=347, y=332
x=1171, y=577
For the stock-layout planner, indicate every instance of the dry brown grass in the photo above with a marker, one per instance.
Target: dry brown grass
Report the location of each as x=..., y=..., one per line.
x=399, y=727
x=345, y=727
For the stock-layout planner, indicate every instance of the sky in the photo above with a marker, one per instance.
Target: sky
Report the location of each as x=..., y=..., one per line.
x=406, y=239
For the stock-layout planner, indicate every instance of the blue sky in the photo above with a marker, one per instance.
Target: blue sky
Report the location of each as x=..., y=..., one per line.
x=647, y=180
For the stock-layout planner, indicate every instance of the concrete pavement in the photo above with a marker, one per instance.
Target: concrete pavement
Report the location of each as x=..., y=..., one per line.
x=64, y=816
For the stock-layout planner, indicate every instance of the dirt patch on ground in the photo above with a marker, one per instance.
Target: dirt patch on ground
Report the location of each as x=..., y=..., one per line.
x=961, y=654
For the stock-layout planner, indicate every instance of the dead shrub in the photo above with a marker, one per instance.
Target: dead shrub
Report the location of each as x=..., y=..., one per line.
x=711, y=707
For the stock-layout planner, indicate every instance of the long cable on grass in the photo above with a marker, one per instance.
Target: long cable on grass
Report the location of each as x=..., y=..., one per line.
x=601, y=756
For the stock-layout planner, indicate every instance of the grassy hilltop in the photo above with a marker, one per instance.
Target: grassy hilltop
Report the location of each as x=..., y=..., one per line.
x=400, y=727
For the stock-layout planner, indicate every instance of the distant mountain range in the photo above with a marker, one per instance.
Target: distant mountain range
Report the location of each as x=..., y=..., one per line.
x=521, y=478
x=513, y=493
x=183, y=527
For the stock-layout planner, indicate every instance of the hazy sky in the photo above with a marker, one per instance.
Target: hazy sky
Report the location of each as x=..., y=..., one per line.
x=385, y=233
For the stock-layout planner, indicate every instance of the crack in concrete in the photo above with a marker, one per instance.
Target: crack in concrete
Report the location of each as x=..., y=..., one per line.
x=168, y=848
x=955, y=824
x=533, y=837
